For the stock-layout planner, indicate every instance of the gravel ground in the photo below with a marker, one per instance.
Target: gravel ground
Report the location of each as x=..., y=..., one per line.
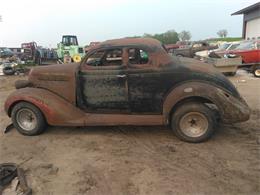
x=138, y=160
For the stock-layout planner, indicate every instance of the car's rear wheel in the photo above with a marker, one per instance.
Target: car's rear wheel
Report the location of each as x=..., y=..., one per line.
x=193, y=122
x=257, y=72
x=28, y=119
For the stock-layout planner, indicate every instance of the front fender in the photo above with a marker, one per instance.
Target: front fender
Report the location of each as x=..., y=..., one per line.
x=56, y=109
x=231, y=109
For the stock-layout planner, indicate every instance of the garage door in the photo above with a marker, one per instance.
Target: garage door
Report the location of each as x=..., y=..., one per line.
x=253, y=29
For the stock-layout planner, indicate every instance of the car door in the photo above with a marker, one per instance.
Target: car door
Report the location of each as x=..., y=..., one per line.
x=103, y=81
x=144, y=83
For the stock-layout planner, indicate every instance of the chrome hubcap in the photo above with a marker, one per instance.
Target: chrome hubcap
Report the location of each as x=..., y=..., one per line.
x=257, y=72
x=194, y=124
x=26, y=119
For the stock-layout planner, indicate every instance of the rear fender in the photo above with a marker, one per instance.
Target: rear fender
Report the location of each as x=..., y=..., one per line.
x=56, y=109
x=231, y=109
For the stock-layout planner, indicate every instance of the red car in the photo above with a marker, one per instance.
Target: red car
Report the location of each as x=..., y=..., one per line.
x=249, y=51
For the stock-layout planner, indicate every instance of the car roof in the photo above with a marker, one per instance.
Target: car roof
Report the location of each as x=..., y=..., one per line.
x=148, y=42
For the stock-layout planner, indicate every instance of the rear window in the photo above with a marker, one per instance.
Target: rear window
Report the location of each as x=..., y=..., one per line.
x=138, y=56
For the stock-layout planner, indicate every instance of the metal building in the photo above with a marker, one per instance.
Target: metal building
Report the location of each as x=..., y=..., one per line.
x=251, y=21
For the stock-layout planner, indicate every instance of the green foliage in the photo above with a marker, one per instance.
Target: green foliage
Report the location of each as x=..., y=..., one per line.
x=226, y=39
x=168, y=37
x=184, y=35
x=222, y=33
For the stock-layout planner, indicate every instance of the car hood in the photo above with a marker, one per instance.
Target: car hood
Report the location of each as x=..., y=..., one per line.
x=53, y=72
x=59, y=79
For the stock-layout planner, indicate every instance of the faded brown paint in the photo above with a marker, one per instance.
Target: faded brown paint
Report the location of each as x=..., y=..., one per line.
x=59, y=112
x=228, y=106
x=54, y=91
x=47, y=78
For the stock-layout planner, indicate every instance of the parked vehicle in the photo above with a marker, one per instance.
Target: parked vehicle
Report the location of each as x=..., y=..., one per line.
x=250, y=53
x=248, y=50
x=127, y=82
x=69, y=49
x=220, y=50
x=171, y=47
x=30, y=53
x=195, y=47
x=5, y=52
x=37, y=54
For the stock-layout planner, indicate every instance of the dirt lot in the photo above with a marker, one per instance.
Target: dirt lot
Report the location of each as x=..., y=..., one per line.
x=138, y=160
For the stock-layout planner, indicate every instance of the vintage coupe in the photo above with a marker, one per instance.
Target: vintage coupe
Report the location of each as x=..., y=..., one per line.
x=127, y=82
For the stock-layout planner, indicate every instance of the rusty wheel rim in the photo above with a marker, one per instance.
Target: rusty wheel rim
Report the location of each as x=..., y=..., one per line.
x=257, y=72
x=194, y=124
x=26, y=119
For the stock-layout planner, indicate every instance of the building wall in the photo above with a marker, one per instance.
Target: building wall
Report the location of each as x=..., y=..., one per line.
x=251, y=24
x=252, y=29
x=253, y=14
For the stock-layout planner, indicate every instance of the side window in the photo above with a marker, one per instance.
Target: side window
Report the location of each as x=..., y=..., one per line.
x=137, y=56
x=112, y=57
x=95, y=59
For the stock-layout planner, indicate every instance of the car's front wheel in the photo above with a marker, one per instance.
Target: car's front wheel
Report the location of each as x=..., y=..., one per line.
x=193, y=122
x=28, y=119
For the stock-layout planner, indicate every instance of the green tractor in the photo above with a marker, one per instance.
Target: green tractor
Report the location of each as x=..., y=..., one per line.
x=69, y=50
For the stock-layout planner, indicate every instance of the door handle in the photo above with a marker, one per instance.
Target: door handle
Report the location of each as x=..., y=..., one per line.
x=121, y=76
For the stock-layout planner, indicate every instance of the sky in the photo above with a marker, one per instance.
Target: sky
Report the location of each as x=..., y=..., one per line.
x=45, y=21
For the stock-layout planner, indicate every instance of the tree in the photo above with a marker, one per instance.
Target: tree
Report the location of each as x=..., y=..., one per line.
x=168, y=37
x=184, y=35
x=222, y=33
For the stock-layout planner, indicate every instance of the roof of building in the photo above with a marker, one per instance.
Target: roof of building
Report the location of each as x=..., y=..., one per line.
x=250, y=8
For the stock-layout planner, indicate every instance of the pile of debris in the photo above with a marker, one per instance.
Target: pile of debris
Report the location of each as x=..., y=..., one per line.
x=8, y=62
x=12, y=180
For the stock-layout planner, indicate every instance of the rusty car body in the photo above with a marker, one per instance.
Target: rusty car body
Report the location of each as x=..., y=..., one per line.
x=193, y=48
x=127, y=82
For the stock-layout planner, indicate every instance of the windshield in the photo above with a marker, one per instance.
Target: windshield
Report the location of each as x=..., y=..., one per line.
x=233, y=46
x=69, y=40
x=246, y=46
x=224, y=46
